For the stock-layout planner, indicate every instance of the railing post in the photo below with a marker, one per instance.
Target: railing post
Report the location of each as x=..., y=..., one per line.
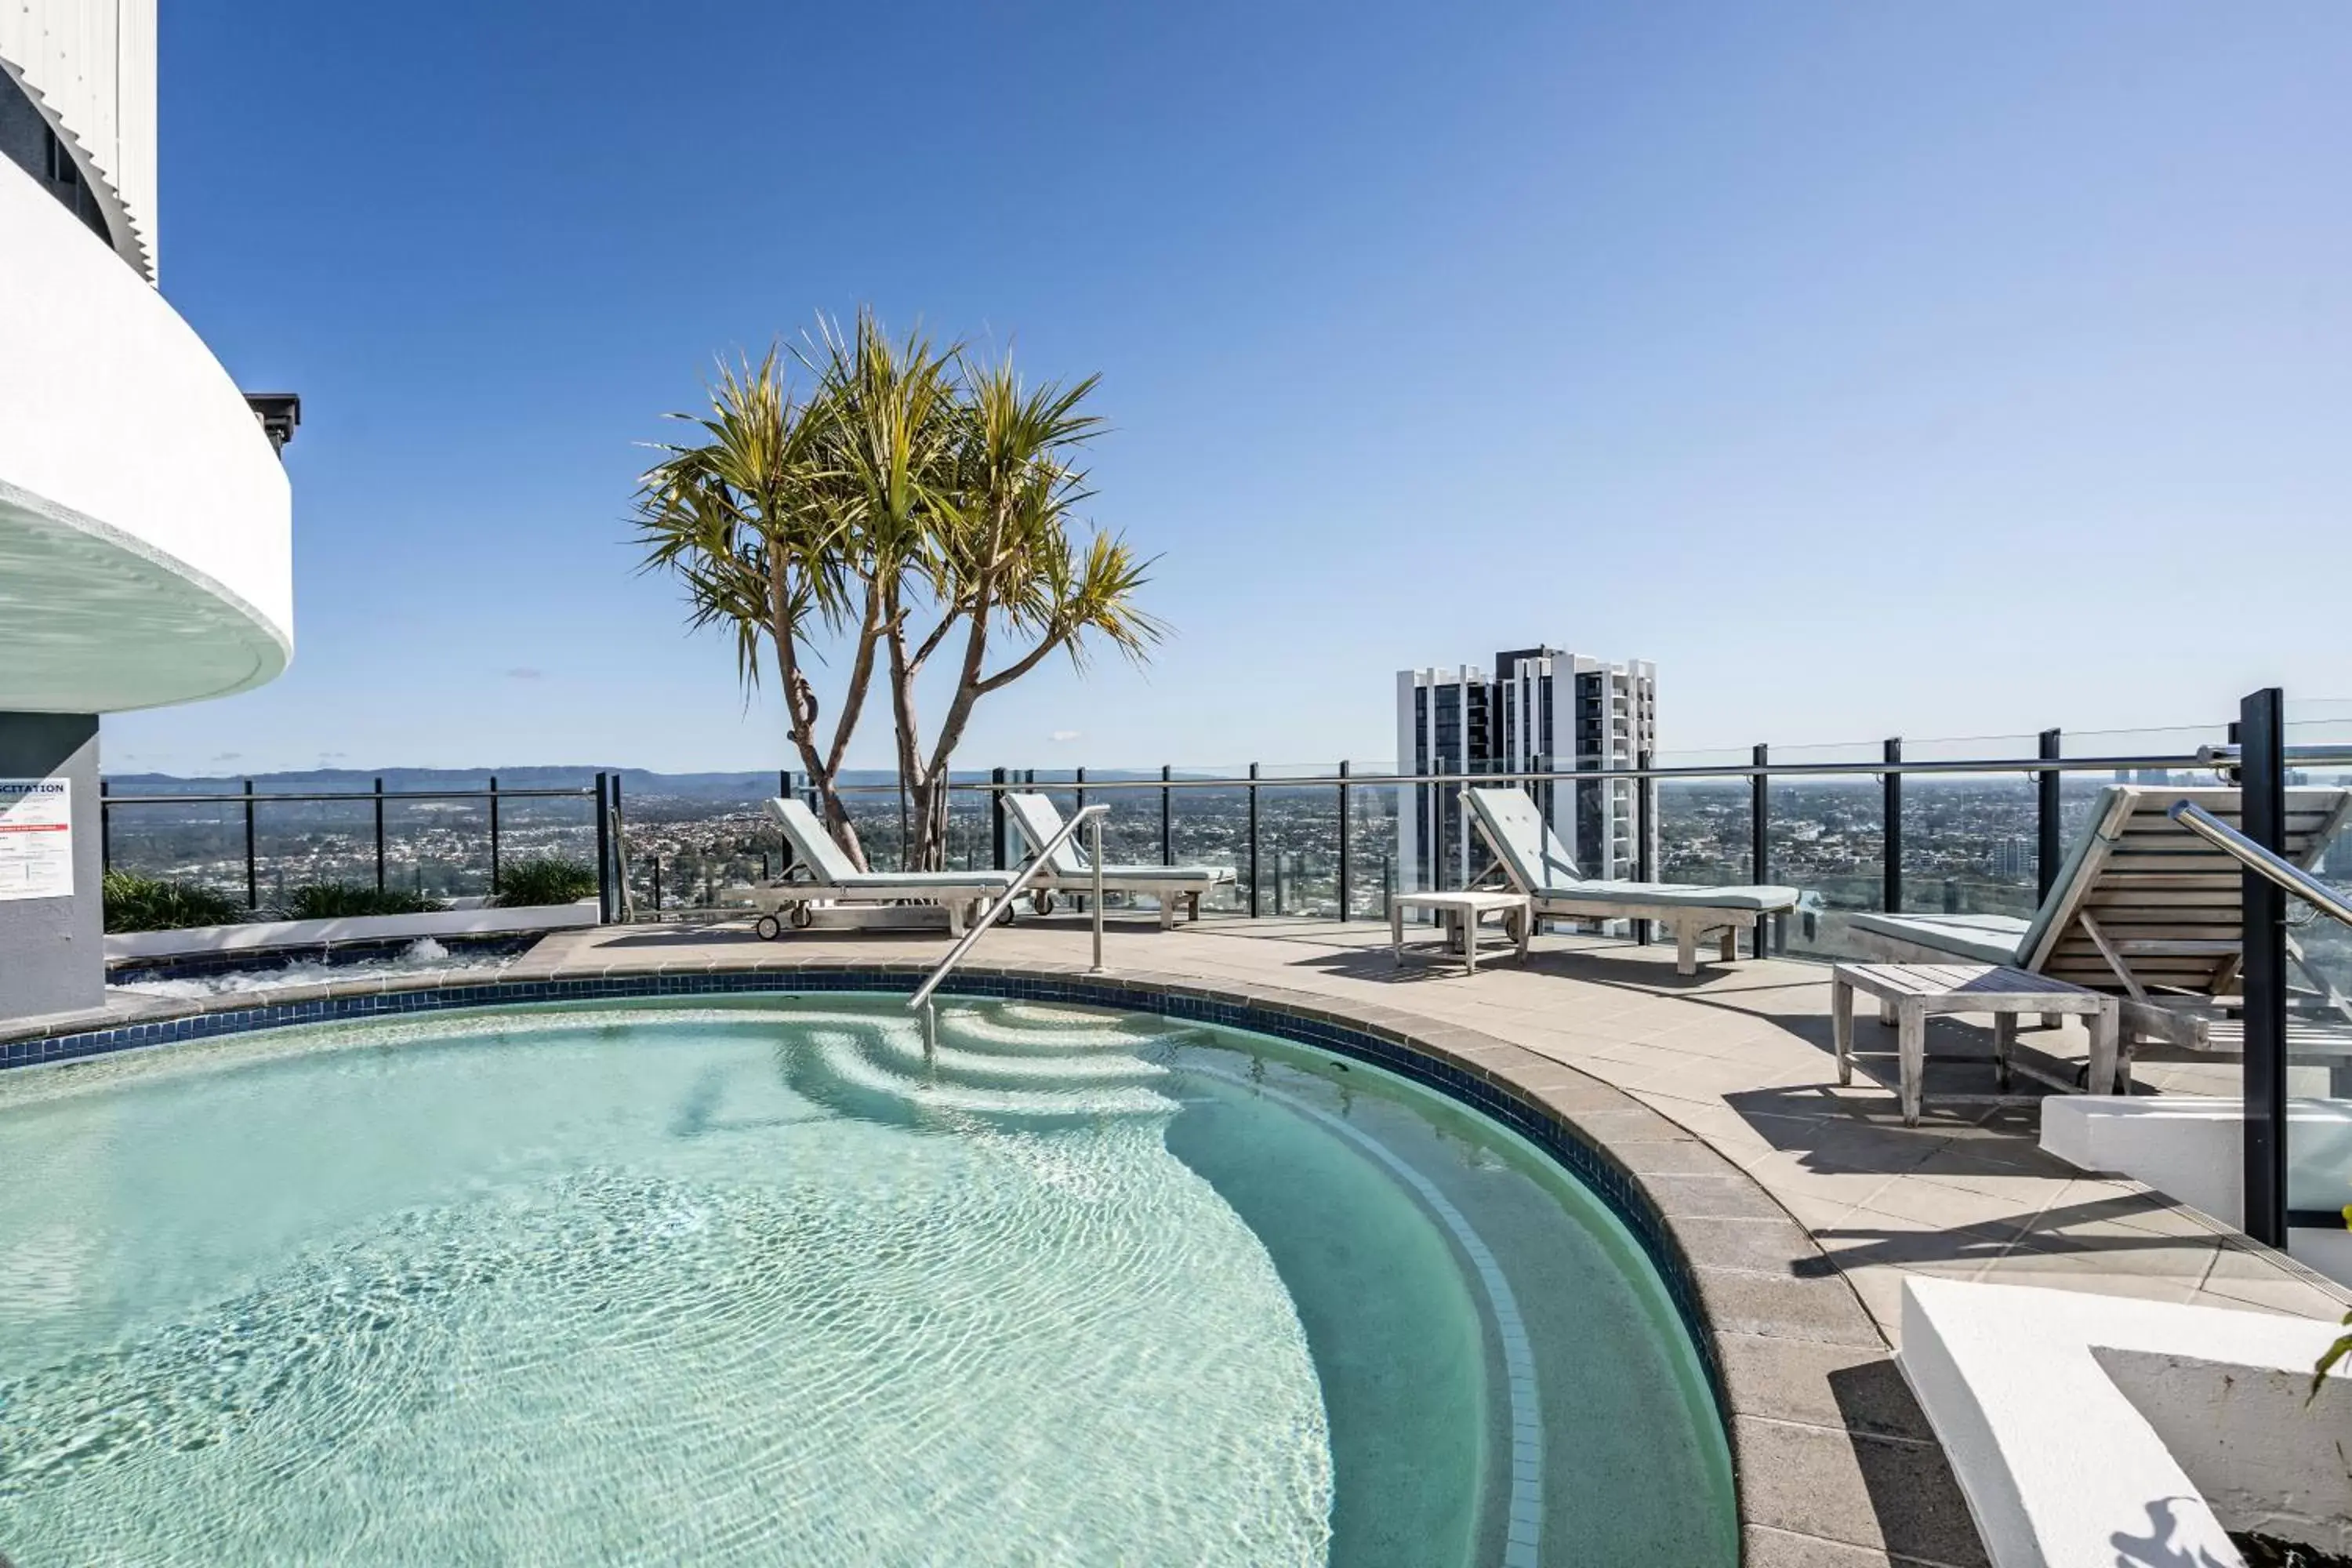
x=2262, y=781
x=105, y=832
x=1253, y=840
x=604, y=858
x=1759, y=845
x=252, y=877
x=1760, y=839
x=1644, y=868
x=657, y=887
x=1344, y=886
x=621, y=851
x=1892, y=781
x=784, y=856
x=1082, y=803
x=494, y=835
x=379, y=835
x=1167, y=816
x=2048, y=849
x=996, y=816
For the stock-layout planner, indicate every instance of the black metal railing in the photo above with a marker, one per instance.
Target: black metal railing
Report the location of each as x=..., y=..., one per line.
x=1274, y=874
x=1276, y=826
x=603, y=792
x=1281, y=853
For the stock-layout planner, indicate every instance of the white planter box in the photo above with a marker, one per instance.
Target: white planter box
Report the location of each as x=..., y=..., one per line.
x=2193, y=1148
x=2092, y=1431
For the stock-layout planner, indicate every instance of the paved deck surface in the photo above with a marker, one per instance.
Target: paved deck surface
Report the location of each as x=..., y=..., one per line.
x=1741, y=1057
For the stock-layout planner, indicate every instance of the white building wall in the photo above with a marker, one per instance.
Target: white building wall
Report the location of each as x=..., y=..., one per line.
x=89, y=66
x=146, y=523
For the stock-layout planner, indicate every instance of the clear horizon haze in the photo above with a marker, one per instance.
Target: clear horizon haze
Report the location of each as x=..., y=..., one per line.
x=1874, y=370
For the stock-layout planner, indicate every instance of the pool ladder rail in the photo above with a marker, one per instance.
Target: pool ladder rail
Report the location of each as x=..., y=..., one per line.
x=1090, y=818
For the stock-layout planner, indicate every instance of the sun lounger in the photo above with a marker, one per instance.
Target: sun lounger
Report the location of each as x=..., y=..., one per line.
x=1531, y=855
x=2141, y=907
x=828, y=875
x=1068, y=869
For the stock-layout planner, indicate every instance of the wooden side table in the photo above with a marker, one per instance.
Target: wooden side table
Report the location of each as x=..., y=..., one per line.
x=1460, y=912
x=1915, y=990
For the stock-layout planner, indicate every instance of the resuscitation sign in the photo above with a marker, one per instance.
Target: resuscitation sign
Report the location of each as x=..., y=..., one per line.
x=37, y=848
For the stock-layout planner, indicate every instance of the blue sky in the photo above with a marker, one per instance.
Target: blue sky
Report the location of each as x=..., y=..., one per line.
x=1921, y=370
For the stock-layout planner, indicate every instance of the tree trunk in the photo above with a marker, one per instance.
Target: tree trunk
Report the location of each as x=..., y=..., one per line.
x=801, y=711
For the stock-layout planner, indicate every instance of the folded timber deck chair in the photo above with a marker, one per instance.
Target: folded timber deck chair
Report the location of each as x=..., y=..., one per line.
x=2141, y=907
x=1537, y=865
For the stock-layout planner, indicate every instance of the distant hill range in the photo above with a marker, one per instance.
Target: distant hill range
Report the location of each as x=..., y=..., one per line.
x=642, y=783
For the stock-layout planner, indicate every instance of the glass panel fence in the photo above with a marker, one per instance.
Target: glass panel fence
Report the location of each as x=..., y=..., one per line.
x=197, y=842
x=1704, y=828
x=1371, y=844
x=1210, y=826
x=1298, y=840
x=2319, y=975
x=316, y=844
x=1827, y=837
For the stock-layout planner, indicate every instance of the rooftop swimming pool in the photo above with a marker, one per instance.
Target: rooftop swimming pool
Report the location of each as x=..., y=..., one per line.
x=761, y=1279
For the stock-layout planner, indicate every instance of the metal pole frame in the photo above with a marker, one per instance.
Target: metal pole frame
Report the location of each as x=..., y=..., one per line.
x=494, y=835
x=1167, y=816
x=1253, y=840
x=379, y=835
x=252, y=872
x=1345, y=885
x=1892, y=787
x=1760, y=848
x=2262, y=781
x=620, y=847
x=2049, y=848
x=105, y=832
x=1644, y=866
x=996, y=809
x=604, y=856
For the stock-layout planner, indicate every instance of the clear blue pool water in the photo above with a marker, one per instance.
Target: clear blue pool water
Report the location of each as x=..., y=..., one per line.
x=758, y=1282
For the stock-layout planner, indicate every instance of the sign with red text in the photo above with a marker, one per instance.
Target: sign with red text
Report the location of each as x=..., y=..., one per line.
x=37, y=847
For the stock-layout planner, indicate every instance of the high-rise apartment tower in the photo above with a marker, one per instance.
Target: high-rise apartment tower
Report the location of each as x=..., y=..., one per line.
x=1540, y=711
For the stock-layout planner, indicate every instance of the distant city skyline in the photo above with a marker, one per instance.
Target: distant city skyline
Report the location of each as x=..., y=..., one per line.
x=1874, y=370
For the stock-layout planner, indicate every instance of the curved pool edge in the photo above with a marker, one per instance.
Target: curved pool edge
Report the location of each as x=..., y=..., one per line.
x=1824, y=1436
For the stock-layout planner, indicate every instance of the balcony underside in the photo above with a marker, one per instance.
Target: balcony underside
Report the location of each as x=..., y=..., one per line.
x=93, y=622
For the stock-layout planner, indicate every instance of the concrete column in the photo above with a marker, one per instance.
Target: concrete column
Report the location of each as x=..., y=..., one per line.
x=52, y=949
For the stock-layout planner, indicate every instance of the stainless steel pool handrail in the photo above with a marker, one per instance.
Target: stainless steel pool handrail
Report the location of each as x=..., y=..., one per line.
x=2255, y=858
x=1090, y=816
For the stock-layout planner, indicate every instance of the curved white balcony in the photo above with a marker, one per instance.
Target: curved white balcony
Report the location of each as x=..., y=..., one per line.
x=146, y=523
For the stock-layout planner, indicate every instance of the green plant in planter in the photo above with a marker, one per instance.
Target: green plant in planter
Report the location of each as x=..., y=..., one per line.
x=544, y=879
x=337, y=901
x=137, y=902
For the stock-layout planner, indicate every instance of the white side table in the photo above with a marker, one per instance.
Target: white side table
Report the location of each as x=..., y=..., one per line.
x=1460, y=914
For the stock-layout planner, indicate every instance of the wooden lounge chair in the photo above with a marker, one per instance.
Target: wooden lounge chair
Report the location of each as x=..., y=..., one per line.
x=1068, y=869
x=1530, y=854
x=2141, y=908
x=824, y=872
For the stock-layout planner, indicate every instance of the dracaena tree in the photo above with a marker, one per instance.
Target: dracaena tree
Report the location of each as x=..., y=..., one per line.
x=918, y=504
x=754, y=519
